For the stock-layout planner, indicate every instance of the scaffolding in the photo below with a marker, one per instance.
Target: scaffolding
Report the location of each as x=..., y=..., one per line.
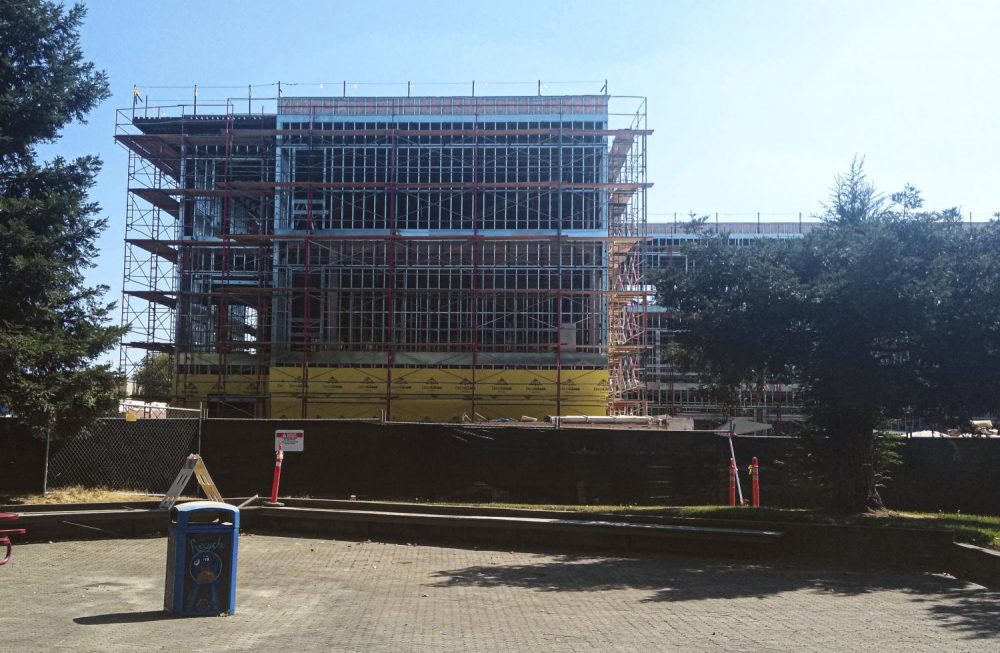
x=428, y=259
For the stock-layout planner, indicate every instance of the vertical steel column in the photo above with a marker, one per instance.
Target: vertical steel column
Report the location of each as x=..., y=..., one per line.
x=644, y=354
x=307, y=281
x=124, y=360
x=390, y=335
x=223, y=334
x=184, y=260
x=265, y=248
x=643, y=248
x=152, y=318
x=559, y=245
x=475, y=260
x=669, y=316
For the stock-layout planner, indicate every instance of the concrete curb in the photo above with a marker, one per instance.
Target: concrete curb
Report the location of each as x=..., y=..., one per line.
x=971, y=562
x=827, y=543
x=853, y=546
x=520, y=532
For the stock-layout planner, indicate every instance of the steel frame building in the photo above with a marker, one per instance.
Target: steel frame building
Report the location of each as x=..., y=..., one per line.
x=430, y=259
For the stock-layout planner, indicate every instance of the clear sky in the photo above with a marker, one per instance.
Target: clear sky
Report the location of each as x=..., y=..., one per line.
x=755, y=105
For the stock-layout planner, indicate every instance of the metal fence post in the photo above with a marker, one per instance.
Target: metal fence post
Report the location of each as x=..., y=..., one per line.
x=45, y=476
x=201, y=420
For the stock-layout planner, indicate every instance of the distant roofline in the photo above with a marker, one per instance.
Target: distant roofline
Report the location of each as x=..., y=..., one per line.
x=596, y=105
x=741, y=227
x=364, y=98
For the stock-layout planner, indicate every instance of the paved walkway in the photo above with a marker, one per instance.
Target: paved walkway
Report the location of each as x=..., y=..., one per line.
x=313, y=594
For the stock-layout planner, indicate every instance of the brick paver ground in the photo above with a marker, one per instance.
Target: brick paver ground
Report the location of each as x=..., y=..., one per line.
x=315, y=594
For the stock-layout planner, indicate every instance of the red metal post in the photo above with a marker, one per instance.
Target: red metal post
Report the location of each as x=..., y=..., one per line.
x=277, y=472
x=755, y=475
x=732, y=481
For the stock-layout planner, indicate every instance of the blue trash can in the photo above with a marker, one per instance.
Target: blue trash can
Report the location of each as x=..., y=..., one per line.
x=202, y=545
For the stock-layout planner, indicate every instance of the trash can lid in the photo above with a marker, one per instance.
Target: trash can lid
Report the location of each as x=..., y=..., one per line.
x=197, y=506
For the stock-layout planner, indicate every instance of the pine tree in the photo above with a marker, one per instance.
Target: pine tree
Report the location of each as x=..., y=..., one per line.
x=53, y=326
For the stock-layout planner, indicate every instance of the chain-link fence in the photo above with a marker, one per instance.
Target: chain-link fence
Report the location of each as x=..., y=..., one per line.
x=119, y=453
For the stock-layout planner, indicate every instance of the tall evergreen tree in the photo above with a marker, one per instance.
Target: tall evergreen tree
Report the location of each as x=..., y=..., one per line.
x=884, y=310
x=53, y=326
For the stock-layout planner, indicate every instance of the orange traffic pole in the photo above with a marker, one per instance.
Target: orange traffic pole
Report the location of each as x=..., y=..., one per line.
x=277, y=472
x=755, y=475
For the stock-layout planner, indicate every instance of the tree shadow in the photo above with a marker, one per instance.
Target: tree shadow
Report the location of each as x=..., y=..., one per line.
x=955, y=604
x=124, y=618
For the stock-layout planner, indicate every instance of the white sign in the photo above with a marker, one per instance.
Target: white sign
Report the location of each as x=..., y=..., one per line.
x=292, y=440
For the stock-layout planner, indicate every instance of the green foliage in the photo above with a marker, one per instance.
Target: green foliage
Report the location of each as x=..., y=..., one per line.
x=881, y=311
x=52, y=326
x=812, y=463
x=154, y=378
x=46, y=81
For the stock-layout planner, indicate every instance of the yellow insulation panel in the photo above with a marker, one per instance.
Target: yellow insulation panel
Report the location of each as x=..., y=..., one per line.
x=329, y=382
x=423, y=394
x=200, y=386
x=291, y=407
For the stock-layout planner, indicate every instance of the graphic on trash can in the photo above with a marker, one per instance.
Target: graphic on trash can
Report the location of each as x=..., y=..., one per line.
x=201, y=559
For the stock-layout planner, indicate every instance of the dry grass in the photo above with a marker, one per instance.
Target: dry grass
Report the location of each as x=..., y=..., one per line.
x=81, y=494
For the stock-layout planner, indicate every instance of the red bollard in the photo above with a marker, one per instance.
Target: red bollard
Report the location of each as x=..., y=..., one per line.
x=755, y=475
x=732, y=481
x=277, y=472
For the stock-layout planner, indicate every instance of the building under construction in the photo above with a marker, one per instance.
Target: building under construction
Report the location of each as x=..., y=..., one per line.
x=417, y=259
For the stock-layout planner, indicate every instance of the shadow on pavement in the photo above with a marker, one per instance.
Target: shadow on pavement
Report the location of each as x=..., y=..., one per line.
x=954, y=604
x=124, y=618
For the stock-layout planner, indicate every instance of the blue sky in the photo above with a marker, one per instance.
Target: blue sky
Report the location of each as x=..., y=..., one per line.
x=756, y=105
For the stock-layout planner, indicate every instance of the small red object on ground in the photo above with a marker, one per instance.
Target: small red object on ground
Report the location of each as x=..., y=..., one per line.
x=4, y=535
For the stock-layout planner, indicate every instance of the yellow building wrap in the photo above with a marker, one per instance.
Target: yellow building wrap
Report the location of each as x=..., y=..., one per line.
x=419, y=394
x=199, y=387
